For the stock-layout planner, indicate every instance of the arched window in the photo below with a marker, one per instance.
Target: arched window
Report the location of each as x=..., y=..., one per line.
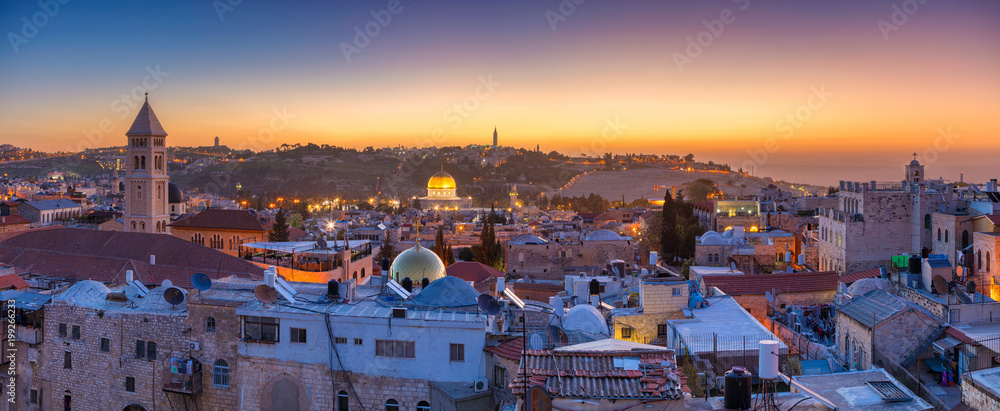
x=220, y=374
x=217, y=242
x=391, y=405
x=362, y=273
x=927, y=221
x=946, y=236
x=988, y=260
x=138, y=192
x=979, y=257
x=939, y=234
x=142, y=226
x=343, y=401
x=198, y=239
x=210, y=324
x=965, y=239
x=133, y=229
x=423, y=406
x=142, y=162
x=136, y=165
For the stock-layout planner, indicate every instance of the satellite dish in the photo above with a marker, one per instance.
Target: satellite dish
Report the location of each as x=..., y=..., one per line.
x=770, y=298
x=167, y=283
x=265, y=294
x=537, y=343
x=488, y=304
x=940, y=285
x=131, y=292
x=970, y=287
x=732, y=265
x=201, y=281
x=552, y=332
x=538, y=399
x=173, y=296
x=959, y=271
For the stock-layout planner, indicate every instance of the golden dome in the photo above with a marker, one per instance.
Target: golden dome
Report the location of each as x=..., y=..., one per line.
x=441, y=181
x=417, y=263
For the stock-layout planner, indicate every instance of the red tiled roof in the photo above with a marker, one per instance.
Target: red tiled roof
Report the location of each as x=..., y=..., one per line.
x=994, y=218
x=783, y=283
x=510, y=350
x=226, y=219
x=12, y=281
x=105, y=256
x=860, y=275
x=14, y=219
x=472, y=271
x=588, y=374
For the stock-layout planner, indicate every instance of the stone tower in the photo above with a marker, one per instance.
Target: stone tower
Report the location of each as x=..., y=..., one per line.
x=494, y=137
x=115, y=181
x=915, y=171
x=146, y=180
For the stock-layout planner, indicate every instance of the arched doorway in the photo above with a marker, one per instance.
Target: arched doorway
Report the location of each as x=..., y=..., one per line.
x=134, y=407
x=285, y=392
x=965, y=239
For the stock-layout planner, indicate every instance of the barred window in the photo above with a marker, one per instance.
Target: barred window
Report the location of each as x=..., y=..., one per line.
x=395, y=349
x=220, y=374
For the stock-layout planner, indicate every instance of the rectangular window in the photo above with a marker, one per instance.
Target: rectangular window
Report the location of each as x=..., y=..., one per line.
x=62, y=330
x=130, y=384
x=76, y=332
x=676, y=292
x=260, y=329
x=626, y=333
x=68, y=360
x=457, y=352
x=140, y=349
x=661, y=330
x=105, y=344
x=33, y=397
x=298, y=335
x=358, y=341
x=394, y=349
x=150, y=350
x=340, y=340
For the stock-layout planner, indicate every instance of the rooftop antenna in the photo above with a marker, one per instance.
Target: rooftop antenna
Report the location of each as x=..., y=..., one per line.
x=265, y=294
x=132, y=294
x=173, y=296
x=488, y=304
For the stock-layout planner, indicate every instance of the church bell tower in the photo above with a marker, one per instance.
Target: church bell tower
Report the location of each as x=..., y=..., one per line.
x=146, y=180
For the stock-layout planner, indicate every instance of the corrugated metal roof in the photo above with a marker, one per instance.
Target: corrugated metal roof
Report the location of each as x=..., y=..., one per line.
x=568, y=374
x=873, y=307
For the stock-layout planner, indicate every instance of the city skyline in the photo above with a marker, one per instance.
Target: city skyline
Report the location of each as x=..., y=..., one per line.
x=784, y=88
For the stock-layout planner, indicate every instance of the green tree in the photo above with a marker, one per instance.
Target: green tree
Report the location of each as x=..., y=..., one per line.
x=489, y=251
x=466, y=254
x=449, y=256
x=669, y=238
x=415, y=204
x=701, y=189
x=439, y=247
x=279, y=231
x=387, y=250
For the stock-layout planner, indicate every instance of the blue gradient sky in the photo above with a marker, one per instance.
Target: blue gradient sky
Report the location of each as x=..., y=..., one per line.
x=608, y=61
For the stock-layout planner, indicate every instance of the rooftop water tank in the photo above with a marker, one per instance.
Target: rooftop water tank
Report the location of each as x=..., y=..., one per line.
x=737, y=395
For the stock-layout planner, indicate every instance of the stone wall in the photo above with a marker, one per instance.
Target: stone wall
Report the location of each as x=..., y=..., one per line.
x=978, y=397
x=937, y=309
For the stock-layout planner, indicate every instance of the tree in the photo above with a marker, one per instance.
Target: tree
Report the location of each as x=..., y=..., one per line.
x=439, y=246
x=689, y=158
x=489, y=251
x=415, y=204
x=279, y=231
x=701, y=189
x=449, y=256
x=669, y=237
x=387, y=250
x=466, y=254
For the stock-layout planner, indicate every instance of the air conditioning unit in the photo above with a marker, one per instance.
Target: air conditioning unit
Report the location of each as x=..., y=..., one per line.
x=194, y=346
x=480, y=385
x=398, y=312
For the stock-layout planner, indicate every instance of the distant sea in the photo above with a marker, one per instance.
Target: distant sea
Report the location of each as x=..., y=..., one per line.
x=830, y=175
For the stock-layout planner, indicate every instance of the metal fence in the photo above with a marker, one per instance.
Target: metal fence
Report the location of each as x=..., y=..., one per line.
x=721, y=353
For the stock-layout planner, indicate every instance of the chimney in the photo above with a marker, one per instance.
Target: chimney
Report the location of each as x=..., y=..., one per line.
x=128, y=276
x=152, y=259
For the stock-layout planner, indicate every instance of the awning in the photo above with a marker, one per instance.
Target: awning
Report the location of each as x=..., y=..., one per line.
x=946, y=343
x=25, y=300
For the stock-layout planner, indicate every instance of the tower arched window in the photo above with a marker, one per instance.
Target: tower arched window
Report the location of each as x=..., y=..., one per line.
x=142, y=226
x=216, y=242
x=979, y=258
x=945, y=236
x=939, y=234
x=142, y=162
x=927, y=221
x=136, y=161
x=138, y=192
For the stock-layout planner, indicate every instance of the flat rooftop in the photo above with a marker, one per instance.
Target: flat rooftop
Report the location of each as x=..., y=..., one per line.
x=706, y=270
x=723, y=325
x=848, y=391
x=987, y=380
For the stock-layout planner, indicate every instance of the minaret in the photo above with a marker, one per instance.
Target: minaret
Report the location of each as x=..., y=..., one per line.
x=146, y=180
x=494, y=137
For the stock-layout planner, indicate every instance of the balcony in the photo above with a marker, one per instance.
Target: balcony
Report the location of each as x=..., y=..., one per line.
x=181, y=383
x=29, y=335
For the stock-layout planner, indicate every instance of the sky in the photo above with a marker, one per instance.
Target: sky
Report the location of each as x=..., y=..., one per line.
x=809, y=91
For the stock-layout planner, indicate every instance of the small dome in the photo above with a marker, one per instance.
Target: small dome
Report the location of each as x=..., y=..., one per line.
x=603, y=235
x=728, y=233
x=441, y=181
x=448, y=292
x=417, y=263
x=584, y=317
x=712, y=238
x=914, y=162
x=527, y=239
x=174, y=194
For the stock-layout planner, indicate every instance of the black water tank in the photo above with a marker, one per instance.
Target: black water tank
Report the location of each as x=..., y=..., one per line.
x=595, y=287
x=914, y=264
x=333, y=288
x=424, y=283
x=925, y=252
x=385, y=265
x=737, y=395
x=408, y=284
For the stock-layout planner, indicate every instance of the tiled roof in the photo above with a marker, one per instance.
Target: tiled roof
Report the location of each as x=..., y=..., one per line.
x=12, y=281
x=472, y=271
x=510, y=350
x=146, y=123
x=105, y=256
x=994, y=218
x=14, y=219
x=575, y=374
x=782, y=283
x=225, y=219
x=873, y=307
x=860, y=275
x=53, y=204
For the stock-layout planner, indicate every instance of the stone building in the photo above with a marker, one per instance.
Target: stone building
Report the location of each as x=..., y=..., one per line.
x=146, y=197
x=223, y=230
x=47, y=212
x=11, y=223
x=528, y=254
x=981, y=389
x=874, y=221
x=878, y=321
x=750, y=291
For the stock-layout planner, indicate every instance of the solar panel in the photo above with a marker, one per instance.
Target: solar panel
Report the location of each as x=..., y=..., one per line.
x=889, y=391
